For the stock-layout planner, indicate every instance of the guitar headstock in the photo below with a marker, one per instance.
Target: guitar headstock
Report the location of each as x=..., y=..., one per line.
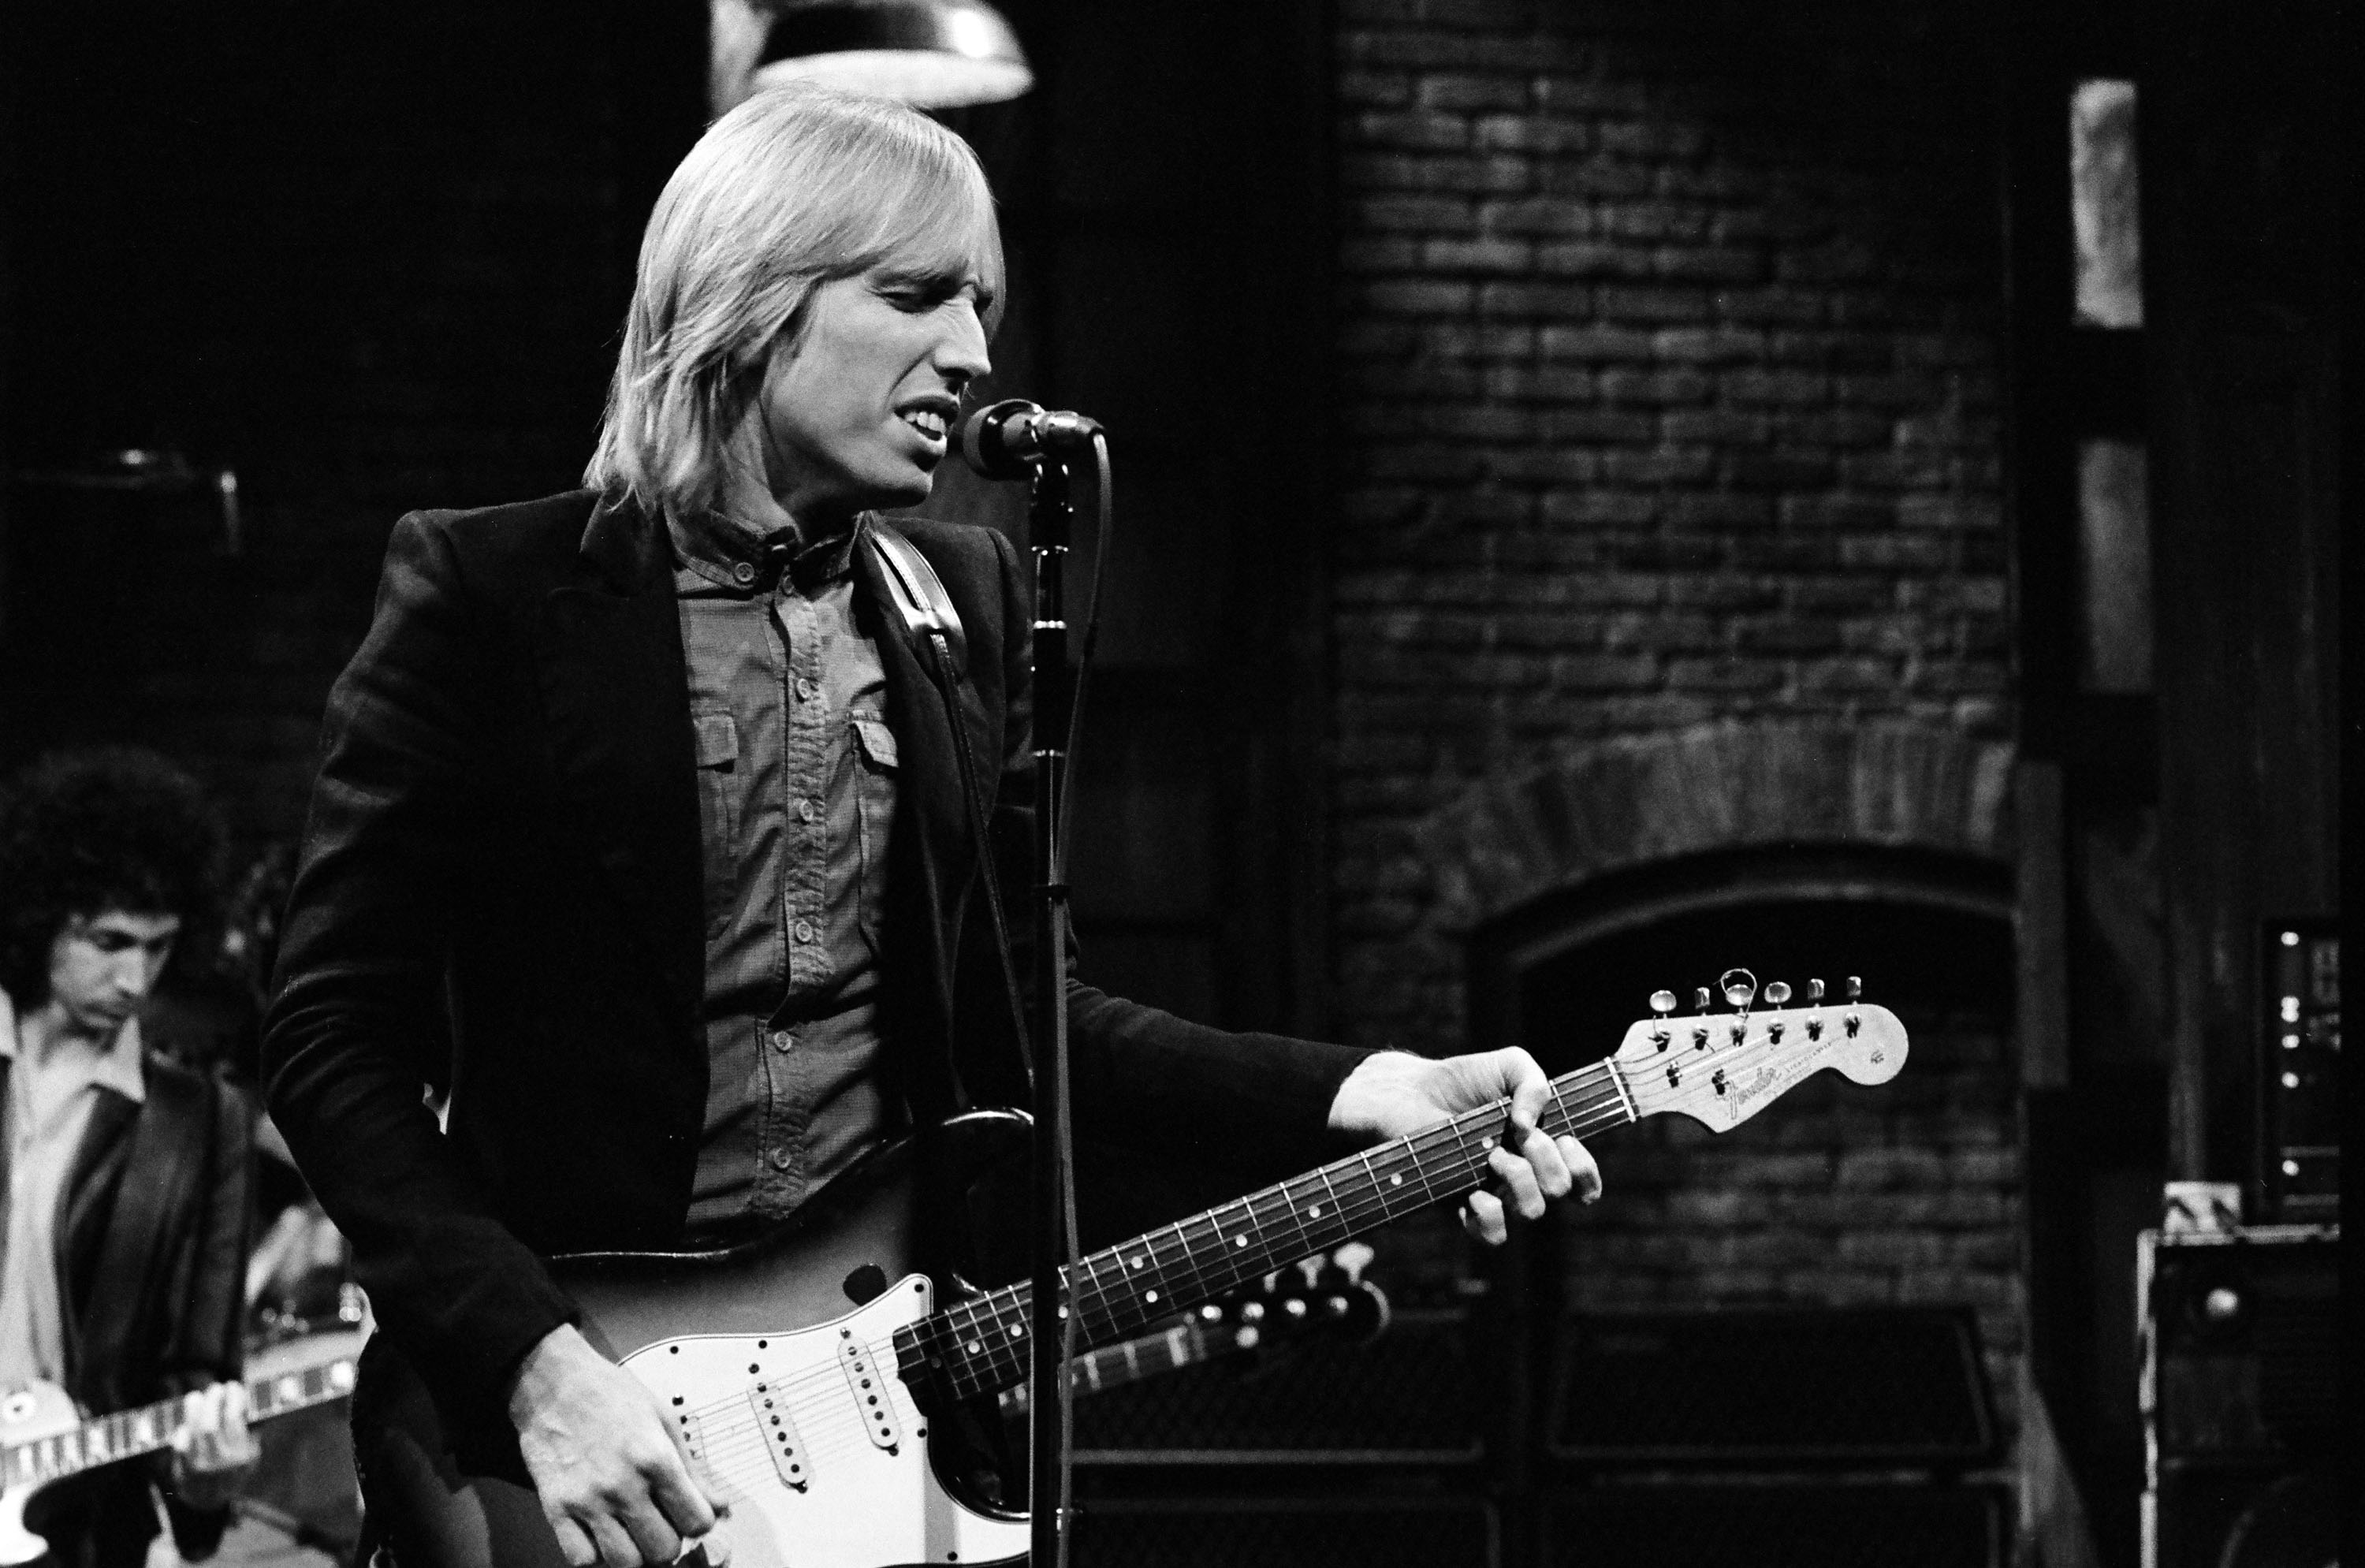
x=1720, y=1069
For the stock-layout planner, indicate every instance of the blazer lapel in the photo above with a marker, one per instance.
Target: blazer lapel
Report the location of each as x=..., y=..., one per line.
x=615, y=691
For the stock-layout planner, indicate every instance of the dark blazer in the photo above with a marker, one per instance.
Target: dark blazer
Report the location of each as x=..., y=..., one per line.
x=148, y=1327
x=501, y=886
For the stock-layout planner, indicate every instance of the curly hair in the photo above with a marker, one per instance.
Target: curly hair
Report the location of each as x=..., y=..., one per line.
x=85, y=831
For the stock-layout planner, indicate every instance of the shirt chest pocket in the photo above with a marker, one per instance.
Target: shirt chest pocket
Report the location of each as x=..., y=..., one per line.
x=719, y=788
x=877, y=761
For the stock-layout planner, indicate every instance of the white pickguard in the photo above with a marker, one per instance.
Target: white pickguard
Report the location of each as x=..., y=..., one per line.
x=863, y=1505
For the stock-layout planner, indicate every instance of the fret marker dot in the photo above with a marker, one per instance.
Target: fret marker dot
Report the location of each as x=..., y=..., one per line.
x=1314, y=1213
x=1396, y=1181
x=1150, y=1296
x=1239, y=1241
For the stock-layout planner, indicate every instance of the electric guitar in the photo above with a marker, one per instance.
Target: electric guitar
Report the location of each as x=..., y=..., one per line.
x=805, y=1385
x=1318, y=1297
x=44, y=1438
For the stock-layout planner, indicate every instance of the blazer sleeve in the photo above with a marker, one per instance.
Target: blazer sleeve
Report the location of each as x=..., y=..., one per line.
x=1256, y=1103
x=356, y=1028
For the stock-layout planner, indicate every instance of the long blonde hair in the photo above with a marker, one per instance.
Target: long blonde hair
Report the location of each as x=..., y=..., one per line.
x=795, y=187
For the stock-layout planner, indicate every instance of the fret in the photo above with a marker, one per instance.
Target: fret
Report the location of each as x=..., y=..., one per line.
x=1117, y=1289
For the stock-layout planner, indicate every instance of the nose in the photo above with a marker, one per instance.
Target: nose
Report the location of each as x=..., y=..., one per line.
x=960, y=356
x=136, y=970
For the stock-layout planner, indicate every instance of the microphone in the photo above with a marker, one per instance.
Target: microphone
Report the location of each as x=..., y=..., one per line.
x=1007, y=439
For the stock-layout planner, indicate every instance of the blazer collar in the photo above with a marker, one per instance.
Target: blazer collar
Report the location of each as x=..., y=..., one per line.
x=626, y=548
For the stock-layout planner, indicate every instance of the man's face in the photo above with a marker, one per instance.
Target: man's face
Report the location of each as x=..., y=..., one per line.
x=856, y=414
x=101, y=965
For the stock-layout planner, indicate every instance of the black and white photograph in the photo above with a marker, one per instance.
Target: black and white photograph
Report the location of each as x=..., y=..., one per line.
x=1172, y=784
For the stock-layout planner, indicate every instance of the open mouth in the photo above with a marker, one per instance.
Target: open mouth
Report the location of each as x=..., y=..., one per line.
x=927, y=421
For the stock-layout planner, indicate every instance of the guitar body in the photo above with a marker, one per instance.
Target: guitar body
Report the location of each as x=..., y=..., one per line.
x=777, y=1359
x=781, y=1360
x=28, y=1414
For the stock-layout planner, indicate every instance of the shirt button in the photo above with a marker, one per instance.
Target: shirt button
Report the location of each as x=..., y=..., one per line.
x=804, y=690
x=783, y=1041
x=743, y=573
x=806, y=812
x=804, y=931
x=781, y=1158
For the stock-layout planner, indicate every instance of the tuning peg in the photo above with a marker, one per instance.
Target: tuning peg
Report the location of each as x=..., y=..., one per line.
x=1740, y=988
x=1856, y=988
x=1663, y=1002
x=1778, y=992
x=1815, y=993
x=1699, y=998
x=1352, y=1258
x=1310, y=1269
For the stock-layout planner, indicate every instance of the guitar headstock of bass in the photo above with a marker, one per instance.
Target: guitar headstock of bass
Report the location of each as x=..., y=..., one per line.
x=1720, y=1069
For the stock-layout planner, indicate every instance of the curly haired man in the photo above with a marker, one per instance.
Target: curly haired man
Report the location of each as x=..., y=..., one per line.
x=125, y=1174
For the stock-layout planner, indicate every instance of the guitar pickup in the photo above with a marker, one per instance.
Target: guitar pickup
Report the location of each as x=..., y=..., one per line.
x=780, y=1434
x=870, y=1389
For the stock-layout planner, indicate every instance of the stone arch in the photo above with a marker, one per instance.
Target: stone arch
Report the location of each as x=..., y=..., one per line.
x=1632, y=800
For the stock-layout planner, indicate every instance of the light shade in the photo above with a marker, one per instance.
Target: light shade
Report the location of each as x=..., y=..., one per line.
x=933, y=54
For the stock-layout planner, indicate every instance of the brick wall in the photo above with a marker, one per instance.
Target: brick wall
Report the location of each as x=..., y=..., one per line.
x=1669, y=368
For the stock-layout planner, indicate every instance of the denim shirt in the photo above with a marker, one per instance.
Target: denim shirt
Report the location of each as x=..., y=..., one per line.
x=796, y=792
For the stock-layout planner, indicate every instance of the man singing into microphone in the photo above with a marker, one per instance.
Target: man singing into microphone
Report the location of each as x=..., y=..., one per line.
x=640, y=826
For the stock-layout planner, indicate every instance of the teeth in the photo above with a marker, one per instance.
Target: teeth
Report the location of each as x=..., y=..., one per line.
x=927, y=423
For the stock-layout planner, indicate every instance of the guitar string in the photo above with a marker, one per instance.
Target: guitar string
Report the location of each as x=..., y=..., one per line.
x=120, y=1428
x=1418, y=1152
x=1606, y=1101
x=1596, y=1111
x=978, y=1317
x=1261, y=1211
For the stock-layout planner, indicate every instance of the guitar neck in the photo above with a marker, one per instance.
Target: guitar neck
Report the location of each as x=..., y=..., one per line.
x=150, y=1429
x=1185, y=1344
x=979, y=1346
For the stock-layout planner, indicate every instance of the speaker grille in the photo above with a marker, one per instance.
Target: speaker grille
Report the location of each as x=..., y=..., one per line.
x=1257, y=1532
x=1901, y=1385
x=1403, y=1398
x=1777, y=1526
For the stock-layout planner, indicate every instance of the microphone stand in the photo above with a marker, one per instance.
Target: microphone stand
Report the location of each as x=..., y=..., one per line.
x=1049, y=520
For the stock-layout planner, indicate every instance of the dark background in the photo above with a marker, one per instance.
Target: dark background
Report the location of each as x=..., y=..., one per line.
x=1596, y=505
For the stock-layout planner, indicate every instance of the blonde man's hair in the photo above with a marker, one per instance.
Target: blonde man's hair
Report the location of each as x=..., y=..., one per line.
x=793, y=188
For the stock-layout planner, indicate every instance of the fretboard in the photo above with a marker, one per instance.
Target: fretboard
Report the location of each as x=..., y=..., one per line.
x=147, y=1428
x=1185, y=1344
x=979, y=1346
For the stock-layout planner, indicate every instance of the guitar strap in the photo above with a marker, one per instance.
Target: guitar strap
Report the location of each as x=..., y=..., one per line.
x=933, y=626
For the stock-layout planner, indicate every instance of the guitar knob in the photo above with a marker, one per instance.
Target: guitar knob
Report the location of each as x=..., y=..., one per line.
x=1699, y=998
x=1310, y=1271
x=1663, y=1002
x=1815, y=993
x=1740, y=988
x=1856, y=988
x=1778, y=992
x=1352, y=1258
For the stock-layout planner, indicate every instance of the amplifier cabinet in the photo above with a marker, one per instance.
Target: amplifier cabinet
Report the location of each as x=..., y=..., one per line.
x=1791, y=1524
x=2239, y=1389
x=1406, y=1397
x=1304, y=1532
x=1773, y=1388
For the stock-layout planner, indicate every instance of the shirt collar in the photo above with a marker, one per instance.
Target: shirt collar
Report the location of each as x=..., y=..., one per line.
x=732, y=556
x=115, y=1067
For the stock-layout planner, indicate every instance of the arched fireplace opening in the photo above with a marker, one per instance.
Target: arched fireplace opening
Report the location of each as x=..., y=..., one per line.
x=1837, y=1210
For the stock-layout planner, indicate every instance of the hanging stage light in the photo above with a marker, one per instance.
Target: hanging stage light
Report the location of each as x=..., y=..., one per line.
x=933, y=54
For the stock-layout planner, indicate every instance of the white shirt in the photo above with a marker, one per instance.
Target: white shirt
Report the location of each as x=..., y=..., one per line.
x=42, y=1118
